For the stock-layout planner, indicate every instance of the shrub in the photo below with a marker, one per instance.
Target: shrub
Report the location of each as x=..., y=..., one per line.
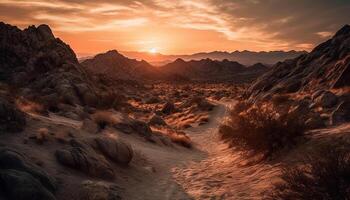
x=104, y=118
x=324, y=174
x=261, y=128
x=181, y=139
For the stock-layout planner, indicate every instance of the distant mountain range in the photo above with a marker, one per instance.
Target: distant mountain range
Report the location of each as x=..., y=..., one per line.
x=243, y=57
x=117, y=66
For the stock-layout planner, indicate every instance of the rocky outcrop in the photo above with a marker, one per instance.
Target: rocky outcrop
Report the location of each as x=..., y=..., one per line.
x=20, y=179
x=325, y=67
x=82, y=157
x=116, y=150
x=42, y=66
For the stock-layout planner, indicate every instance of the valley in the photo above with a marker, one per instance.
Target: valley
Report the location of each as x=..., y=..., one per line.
x=111, y=127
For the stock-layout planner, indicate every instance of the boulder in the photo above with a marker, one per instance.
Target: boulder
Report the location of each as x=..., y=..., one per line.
x=157, y=120
x=98, y=190
x=327, y=100
x=341, y=114
x=20, y=185
x=168, y=108
x=116, y=150
x=134, y=126
x=82, y=157
x=11, y=119
x=21, y=179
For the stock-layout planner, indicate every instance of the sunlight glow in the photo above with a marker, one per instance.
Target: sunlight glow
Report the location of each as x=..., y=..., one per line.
x=153, y=50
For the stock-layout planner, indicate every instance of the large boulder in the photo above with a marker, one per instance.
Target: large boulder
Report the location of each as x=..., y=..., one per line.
x=11, y=119
x=341, y=114
x=82, y=157
x=20, y=185
x=114, y=149
x=21, y=179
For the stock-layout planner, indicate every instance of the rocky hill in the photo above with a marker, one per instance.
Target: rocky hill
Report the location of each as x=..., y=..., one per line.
x=117, y=66
x=325, y=67
x=41, y=67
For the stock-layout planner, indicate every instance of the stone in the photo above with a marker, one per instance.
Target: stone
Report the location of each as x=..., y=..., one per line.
x=20, y=185
x=83, y=158
x=115, y=149
x=22, y=179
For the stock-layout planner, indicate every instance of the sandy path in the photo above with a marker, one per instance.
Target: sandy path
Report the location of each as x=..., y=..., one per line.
x=169, y=163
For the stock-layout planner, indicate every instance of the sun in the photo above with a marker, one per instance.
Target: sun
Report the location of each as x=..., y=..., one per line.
x=152, y=50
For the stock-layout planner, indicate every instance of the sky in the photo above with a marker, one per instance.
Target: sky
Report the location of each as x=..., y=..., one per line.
x=182, y=26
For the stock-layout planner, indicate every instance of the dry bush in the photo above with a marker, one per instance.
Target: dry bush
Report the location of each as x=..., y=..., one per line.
x=324, y=174
x=29, y=106
x=176, y=137
x=104, y=119
x=261, y=129
x=181, y=139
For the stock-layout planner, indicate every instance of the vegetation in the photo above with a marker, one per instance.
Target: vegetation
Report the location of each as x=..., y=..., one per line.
x=324, y=174
x=261, y=128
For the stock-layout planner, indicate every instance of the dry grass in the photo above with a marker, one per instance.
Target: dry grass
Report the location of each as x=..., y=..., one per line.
x=29, y=106
x=176, y=137
x=261, y=129
x=104, y=119
x=324, y=174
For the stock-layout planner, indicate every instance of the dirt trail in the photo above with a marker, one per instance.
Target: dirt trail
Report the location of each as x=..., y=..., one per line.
x=209, y=171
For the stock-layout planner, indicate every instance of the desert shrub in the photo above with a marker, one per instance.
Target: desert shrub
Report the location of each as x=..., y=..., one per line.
x=104, y=119
x=181, y=139
x=261, y=128
x=323, y=174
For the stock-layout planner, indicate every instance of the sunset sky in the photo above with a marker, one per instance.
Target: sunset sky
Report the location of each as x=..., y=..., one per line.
x=182, y=26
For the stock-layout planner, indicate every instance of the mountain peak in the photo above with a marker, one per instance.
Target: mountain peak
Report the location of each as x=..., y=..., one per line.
x=343, y=31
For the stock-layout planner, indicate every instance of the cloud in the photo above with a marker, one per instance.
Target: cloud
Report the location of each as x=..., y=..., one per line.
x=255, y=24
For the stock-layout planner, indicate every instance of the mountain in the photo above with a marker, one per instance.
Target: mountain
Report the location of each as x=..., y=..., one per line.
x=207, y=69
x=243, y=57
x=41, y=67
x=326, y=67
x=117, y=66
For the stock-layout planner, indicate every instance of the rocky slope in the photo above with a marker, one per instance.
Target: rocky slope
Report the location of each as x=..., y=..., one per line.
x=41, y=67
x=325, y=67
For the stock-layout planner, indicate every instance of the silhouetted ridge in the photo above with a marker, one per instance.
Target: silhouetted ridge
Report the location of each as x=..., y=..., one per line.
x=325, y=67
